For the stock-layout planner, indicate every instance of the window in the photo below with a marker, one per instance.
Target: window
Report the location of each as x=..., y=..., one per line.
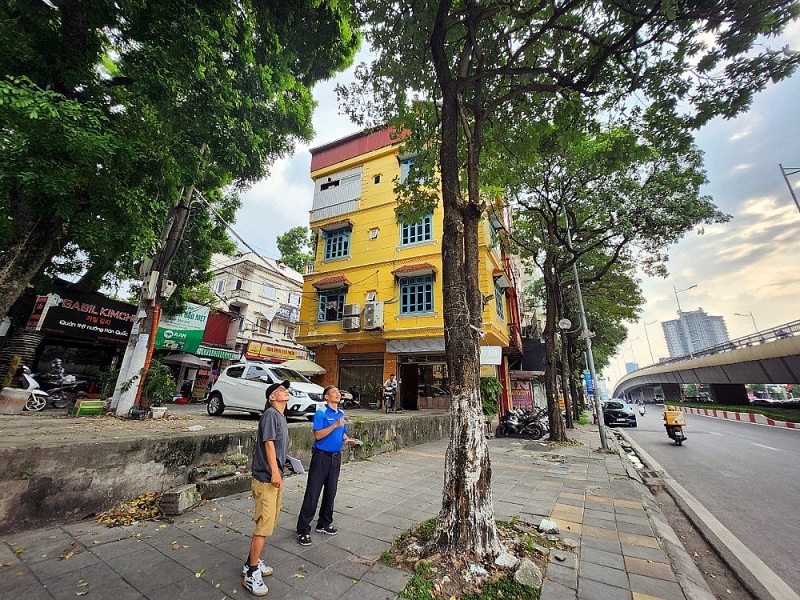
x=238, y=284
x=376, y=179
x=255, y=373
x=498, y=300
x=294, y=299
x=331, y=304
x=219, y=286
x=416, y=294
x=264, y=326
x=268, y=291
x=416, y=232
x=337, y=243
x=405, y=166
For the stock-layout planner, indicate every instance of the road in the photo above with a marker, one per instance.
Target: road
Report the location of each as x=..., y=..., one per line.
x=744, y=474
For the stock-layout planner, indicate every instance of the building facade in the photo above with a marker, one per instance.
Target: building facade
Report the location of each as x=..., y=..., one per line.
x=262, y=298
x=373, y=296
x=703, y=331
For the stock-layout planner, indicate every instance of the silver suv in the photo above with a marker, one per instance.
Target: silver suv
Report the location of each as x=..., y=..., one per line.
x=243, y=387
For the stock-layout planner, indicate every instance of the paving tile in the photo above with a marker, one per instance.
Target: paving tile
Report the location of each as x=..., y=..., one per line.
x=609, y=545
x=589, y=589
x=636, y=528
x=388, y=578
x=656, y=570
x=666, y=590
x=603, y=574
x=654, y=554
x=608, y=533
x=638, y=540
x=555, y=591
x=564, y=575
x=601, y=557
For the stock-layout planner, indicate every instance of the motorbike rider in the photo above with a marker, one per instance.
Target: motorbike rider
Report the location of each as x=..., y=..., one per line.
x=390, y=390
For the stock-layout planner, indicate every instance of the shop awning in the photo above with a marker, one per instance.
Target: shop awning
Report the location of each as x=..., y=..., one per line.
x=414, y=270
x=332, y=282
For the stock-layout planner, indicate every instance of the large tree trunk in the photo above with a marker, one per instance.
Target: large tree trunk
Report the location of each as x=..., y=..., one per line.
x=34, y=243
x=465, y=527
x=558, y=433
x=565, y=389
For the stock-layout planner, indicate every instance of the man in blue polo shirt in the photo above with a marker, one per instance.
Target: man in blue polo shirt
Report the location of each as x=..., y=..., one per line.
x=323, y=474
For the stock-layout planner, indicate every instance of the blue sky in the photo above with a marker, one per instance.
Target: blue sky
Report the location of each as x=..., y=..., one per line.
x=751, y=264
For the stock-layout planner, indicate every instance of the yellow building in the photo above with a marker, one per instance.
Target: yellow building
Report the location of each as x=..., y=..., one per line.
x=372, y=299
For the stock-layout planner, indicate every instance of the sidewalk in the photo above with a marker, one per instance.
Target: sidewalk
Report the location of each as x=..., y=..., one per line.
x=623, y=545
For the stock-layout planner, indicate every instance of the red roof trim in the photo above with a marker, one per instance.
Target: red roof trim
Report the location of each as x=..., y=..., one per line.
x=332, y=281
x=415, y=268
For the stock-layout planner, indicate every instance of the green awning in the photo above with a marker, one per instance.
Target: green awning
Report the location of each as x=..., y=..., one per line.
x=218, y=352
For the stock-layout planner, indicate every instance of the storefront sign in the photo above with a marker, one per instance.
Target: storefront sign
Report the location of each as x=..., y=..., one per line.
x=521, y=393
x=83, y=315
x=259, y=351
x=184, y=331
x=288, y=313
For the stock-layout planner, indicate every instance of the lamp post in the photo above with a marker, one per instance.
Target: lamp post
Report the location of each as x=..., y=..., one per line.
x=786, y=171
x=587, y=338
x=689, y=345
x=647, y=337
x=749, y=314
x=630, y=343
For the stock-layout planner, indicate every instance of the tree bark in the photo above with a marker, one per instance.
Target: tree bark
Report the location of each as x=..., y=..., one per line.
x=465, y=526
x=553, y=308
x=565, y=389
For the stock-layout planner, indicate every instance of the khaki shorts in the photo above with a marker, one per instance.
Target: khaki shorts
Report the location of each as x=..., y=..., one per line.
x=268, y=507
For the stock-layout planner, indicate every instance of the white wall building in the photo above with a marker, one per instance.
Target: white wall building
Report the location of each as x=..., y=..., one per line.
x=266, y=296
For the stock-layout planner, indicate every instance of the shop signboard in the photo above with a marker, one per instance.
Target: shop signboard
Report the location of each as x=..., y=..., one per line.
x=262, y=351
x=521, y=393
x=182, y=332
x=82, y=315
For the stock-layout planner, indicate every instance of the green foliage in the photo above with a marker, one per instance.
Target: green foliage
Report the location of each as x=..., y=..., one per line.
x=419, y=587
x=159, y=383
x=491, y=388
x=504, y=588
x=110, y=110
x=108, y=381
x=295, y=248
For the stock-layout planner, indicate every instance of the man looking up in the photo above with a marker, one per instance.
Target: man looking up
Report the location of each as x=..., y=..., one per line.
x=269, y=457
x=326, y=460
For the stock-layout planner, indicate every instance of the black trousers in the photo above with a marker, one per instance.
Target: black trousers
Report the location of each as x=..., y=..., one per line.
x=323, y=478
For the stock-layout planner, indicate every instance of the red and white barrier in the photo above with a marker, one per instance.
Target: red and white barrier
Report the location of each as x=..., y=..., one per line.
x=738, y=416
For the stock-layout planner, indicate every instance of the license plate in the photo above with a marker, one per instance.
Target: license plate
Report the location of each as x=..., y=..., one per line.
x=622, y=420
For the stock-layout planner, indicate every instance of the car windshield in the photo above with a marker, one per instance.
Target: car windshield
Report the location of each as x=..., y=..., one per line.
x=615, y=405
x=284, y=374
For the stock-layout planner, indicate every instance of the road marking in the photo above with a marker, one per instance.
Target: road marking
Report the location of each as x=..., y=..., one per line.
x=763, y=446
x=715, y=433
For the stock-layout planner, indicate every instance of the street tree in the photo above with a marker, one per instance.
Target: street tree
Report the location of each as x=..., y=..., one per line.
x=111, y=111
x=473, y=63
x=295, y=248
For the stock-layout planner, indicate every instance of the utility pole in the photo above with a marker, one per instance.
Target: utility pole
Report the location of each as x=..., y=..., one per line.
x=155, y=287
x=587, y=337
x=786, y=171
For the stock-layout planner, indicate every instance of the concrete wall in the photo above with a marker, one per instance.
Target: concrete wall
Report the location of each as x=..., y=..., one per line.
x=43, y=486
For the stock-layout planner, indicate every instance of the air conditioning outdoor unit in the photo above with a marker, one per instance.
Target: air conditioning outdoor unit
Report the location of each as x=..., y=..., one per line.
x=351, y=323
x=373, y=315
x=352, y=310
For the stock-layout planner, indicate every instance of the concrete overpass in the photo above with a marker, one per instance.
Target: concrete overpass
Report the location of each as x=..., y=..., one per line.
x=768, y=357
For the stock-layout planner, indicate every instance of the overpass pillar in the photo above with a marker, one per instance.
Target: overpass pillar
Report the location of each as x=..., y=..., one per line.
x=729, y=393
x=672, y=392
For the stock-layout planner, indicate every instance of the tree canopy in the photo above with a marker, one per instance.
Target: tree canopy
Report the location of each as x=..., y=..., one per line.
x=109, y=109
x=295, y=248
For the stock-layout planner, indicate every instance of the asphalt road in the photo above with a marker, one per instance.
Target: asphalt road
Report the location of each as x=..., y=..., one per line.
x=745, y=475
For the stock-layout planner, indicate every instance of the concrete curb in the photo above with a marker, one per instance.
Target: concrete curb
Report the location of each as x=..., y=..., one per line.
x=743, y=417
x=756, y=576
x=689, y=577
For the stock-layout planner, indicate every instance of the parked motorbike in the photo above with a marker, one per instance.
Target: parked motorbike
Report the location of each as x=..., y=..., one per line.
x=351, y=398
x=58, y=396
x=389, y=400
x=531, y=424
x=674, y=422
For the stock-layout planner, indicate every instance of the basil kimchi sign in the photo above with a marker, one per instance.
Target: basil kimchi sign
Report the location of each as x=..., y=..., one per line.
x=83, y=315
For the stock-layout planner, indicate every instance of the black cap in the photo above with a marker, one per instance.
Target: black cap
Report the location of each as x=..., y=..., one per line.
x=275, y=386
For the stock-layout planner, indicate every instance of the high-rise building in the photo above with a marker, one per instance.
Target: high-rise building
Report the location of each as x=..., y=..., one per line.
x=703, y=331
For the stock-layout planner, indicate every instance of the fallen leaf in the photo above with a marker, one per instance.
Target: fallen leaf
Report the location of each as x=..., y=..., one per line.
x=19, y=551
x=176, y=546
x=216, y=587
x=82, y=593
x=8, y=564
x=299, y=576
x=200, y=573
x=83, y=583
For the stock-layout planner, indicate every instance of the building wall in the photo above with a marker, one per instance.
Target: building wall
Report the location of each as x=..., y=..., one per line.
x=375, y=261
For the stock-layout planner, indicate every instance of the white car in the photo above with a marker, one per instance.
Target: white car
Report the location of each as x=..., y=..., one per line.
x=243, y=387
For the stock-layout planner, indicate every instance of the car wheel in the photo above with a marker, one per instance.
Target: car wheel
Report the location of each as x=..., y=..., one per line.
x=35, y=403
x=215, y=406
x=634, y=424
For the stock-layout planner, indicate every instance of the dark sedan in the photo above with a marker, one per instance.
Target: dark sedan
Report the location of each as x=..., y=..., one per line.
x=618, y=412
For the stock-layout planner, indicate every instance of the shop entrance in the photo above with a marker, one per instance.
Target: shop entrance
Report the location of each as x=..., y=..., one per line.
x=424, y=383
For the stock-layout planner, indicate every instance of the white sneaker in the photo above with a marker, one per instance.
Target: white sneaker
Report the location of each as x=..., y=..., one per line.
x=255, y=584
x=265, y=570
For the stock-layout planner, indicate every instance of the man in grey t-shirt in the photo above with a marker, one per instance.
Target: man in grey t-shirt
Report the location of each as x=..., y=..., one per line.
x=269, y=457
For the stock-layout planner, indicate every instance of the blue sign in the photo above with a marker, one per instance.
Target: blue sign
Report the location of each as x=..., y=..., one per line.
x=587, y=378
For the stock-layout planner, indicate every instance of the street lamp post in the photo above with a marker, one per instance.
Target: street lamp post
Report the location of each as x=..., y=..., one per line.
x=689, y=345
x=647, y=337
x=630, y=343
x=749, y=314
x=587, y=338
x=786, y=171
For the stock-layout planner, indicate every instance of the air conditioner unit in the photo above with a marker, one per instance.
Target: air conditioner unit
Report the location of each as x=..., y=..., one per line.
x=351, y=323
x=373, y=315
x=352, y=310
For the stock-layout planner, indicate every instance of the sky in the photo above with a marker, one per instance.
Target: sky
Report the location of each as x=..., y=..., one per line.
x=748, y=265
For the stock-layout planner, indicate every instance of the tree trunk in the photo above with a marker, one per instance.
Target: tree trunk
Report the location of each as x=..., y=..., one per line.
x=33, y=245
x=465, y=526
x=577, y=403
x=565, y=389
x=551, y=281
